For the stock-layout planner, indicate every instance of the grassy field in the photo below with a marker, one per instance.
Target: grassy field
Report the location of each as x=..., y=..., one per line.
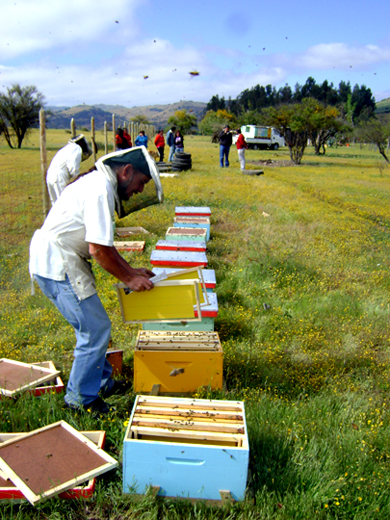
x=301, y=256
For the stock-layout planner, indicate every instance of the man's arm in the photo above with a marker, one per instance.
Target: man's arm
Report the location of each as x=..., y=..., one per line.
x=112, y=262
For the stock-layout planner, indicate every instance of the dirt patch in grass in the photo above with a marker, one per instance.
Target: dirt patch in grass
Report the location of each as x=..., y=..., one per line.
x=271, y=163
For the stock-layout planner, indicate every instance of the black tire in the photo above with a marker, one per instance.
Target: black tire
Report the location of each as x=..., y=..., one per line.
x=182, y=155
x=275, y=146
x=176, y=169
x=181, y=161
x=255, y=147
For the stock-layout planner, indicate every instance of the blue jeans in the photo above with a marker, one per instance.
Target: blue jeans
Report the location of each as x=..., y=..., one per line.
x=171, y=153
x=224, y=153
x=91, y=372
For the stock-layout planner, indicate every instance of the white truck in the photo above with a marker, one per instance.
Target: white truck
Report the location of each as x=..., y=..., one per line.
x=261, y=137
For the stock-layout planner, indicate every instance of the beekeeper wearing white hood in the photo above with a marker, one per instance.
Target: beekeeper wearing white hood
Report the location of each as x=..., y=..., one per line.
x=65, y=165
x=80, y=226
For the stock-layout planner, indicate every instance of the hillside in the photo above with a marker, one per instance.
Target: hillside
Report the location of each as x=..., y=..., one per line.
x=383, y=107
x=156, y=114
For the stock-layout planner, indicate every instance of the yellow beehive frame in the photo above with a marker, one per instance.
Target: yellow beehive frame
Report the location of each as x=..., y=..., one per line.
x=169, y=301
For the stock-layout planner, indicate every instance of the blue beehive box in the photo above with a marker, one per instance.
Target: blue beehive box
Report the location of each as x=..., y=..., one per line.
x=189, y=448
x=195, y=222
x=196, y=234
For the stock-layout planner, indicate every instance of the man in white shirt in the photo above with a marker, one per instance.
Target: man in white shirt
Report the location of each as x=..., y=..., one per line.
x=65, y=165
x=80, y=226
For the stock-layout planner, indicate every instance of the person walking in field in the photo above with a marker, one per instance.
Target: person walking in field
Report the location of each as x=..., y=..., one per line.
x=225, y=142
x=241, y=145
x=79, y=227
x=159, y=141
x=65, y=165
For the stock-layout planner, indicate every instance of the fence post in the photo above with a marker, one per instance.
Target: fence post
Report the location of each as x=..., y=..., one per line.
x=105, y=139
x=113, y=131
x=93, y=138
x=72, y=128
x=42, y=145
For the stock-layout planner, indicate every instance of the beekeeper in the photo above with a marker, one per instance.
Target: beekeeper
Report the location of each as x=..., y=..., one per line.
x=65, y=165
x=80, y=226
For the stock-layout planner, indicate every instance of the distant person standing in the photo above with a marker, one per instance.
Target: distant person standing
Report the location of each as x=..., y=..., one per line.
x=171, y=142
x=225, y=142
x=65, y=165
x=179, y=142
x=141, y=139
x=127, y=137
x=241, y=145
x=159, y=141
x=119, y=139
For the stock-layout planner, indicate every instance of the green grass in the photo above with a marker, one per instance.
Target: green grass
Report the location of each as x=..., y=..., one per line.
x=302, y=263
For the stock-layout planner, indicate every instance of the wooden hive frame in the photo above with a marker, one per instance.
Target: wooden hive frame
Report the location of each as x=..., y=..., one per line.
x=141, y=302
x=52, y=459
x=192, y=421
x=56, y=384
x=135, y=245
x=177, y=340
x=8, y=490
x=22, y=376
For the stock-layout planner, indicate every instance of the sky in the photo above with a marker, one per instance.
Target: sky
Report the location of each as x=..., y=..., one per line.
x=141, y=52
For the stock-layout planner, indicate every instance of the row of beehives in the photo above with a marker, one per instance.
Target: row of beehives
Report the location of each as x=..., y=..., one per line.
x=193, y=448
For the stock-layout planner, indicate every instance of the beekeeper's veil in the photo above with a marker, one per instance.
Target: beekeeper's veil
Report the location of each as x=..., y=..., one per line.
x=82, y=142
x=144, y=163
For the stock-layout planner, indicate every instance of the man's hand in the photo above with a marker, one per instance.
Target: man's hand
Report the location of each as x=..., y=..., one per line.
x=142, y=271
x=109, y=258
x=139, y=284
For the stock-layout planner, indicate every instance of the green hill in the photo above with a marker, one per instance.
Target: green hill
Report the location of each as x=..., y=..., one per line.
x=156, y=114
x=383, y=107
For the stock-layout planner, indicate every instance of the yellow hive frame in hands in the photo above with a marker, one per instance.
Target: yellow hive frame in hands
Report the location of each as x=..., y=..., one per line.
x=169, y=300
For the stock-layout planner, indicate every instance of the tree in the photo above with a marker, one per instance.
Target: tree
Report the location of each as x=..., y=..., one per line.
x=141, y=119
x=215, y=121
x=290, y=121
x=322, y=123
x=377, y=132
x=19, y=112
x=183, y=121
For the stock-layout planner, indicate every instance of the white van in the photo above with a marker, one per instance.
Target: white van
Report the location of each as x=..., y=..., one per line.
x=261, y=137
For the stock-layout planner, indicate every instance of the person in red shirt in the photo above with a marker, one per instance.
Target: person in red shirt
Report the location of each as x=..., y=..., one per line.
x=127, y=137
x=159, y=141
x=242, y=145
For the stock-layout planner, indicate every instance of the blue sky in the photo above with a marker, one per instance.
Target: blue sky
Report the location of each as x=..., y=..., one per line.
x=83, y=51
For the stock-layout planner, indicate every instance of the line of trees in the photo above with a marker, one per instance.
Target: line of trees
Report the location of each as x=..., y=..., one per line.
x=359, y=98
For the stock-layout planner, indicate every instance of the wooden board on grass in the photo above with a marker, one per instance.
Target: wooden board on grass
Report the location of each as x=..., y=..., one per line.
x=130, y=245
x=50, y=460
x=129, y=231
x=16, y=376
x=8, y=490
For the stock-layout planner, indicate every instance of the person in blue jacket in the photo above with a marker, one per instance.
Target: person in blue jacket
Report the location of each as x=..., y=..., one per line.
x=141, y=139
x=170, y=139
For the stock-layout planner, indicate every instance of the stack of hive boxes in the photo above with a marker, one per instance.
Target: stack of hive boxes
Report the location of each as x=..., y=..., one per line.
x=193, y=448
x=179, y=357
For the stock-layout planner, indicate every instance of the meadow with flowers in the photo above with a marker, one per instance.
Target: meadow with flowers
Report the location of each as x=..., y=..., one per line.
x=302, y=257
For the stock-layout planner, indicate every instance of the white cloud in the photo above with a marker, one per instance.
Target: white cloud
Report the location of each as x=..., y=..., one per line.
x=342, y=56
x=28, y=26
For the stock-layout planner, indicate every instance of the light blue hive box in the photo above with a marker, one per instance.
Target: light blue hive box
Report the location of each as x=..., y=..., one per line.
x=195, y=222
x=171, y=444
x=196, y=234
